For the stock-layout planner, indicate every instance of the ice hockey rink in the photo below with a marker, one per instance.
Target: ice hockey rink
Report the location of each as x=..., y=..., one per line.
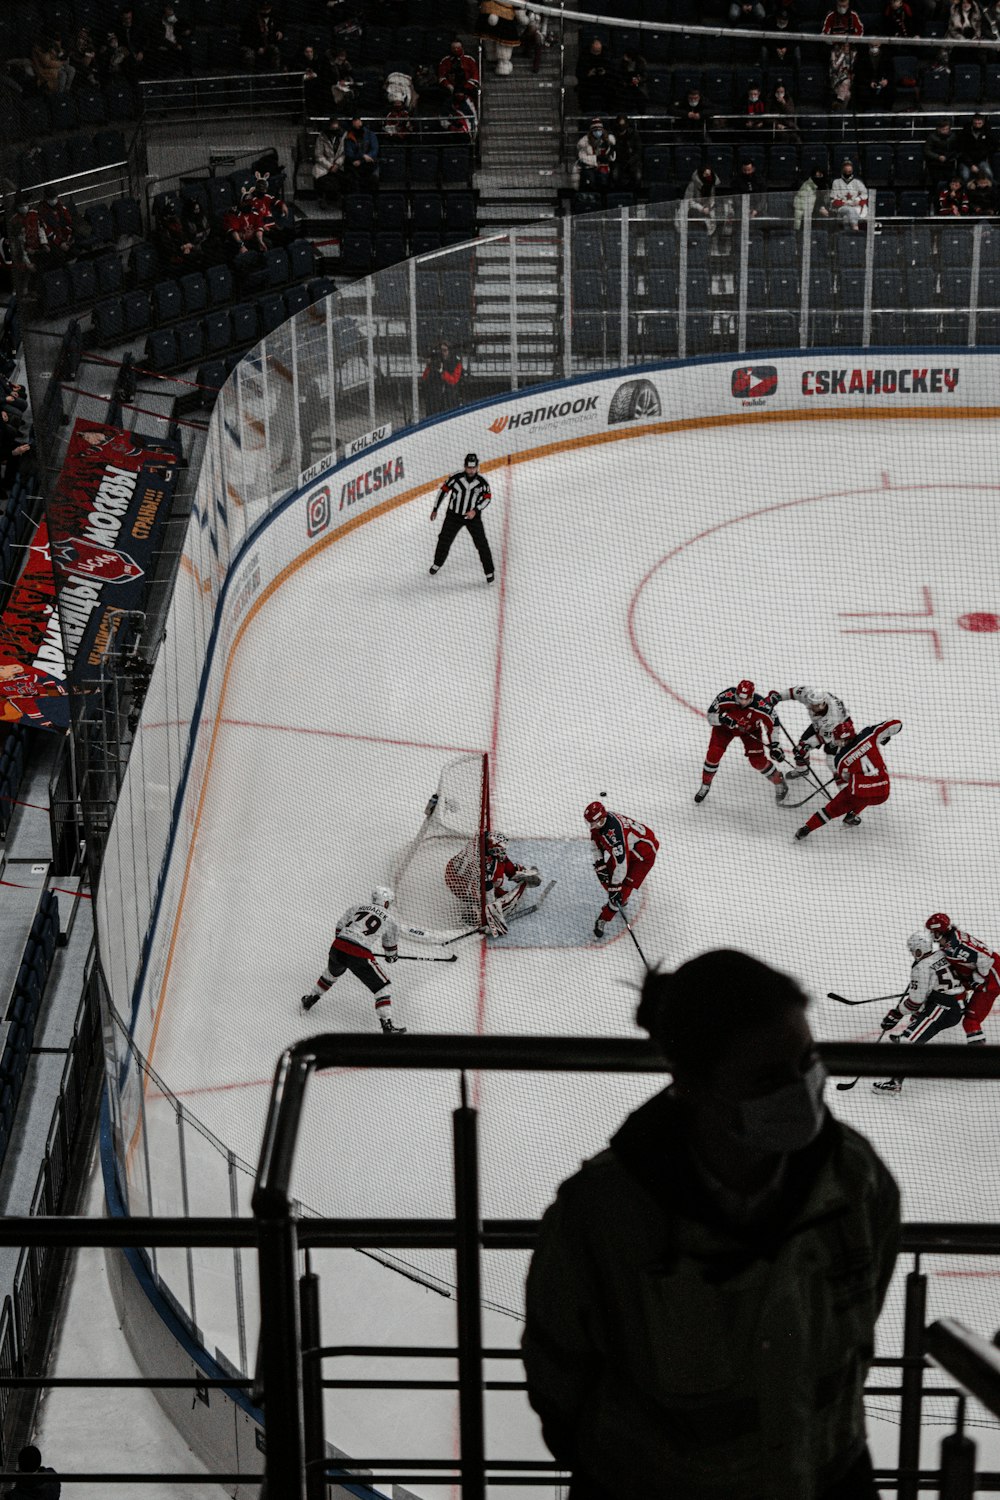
x=634, y=579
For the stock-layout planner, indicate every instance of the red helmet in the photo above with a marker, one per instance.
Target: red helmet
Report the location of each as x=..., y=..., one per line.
x=744, y=690
x=595, y=813
x=845, y=730
x=939, y=923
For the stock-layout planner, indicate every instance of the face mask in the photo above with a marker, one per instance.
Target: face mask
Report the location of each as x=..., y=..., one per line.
x=790, y=1118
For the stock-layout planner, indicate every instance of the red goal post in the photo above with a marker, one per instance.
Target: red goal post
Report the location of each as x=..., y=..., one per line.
x=440, y=877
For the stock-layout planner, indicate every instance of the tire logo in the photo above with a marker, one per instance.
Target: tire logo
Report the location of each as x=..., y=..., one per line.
x=754, y=381
x=636, y=400
x=318, y=511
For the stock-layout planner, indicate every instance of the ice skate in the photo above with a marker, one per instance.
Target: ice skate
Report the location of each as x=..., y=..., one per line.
x=703, y=792
x=387, y=1026
x=802, y=833
x=434, y=568
x=780, y=791
x=888, y=1085
x=598, y=928
x=308, y=1001
x=851, y=820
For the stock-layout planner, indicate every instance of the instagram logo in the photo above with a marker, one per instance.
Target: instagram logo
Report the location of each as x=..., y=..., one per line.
x=318, y=511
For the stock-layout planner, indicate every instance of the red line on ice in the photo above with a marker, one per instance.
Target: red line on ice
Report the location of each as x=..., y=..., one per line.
x=344, y=734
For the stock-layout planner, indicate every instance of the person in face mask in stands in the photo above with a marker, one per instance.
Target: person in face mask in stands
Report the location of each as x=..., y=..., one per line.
x=701, y=1304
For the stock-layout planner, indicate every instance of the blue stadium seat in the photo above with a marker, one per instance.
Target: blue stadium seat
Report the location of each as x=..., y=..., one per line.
x=955, y=245
x=90, y=106
x=301, y=260
x=168, y=303
x=109, y=322
x=272, y=312
x=296, y=299
x=276, y=268
x=211, y=377
x=913, y=203
x=220, y=196
x=359, y=211
x=877, y=165
x=390, y=248
x=135, y=306
x=356, y=253
x=392, y=167
x=456, y=166
x=82, y=156
x=245, y=323
x=190, y=342
x=424, y=167
x=120, y=101
x=427, y=210
x=110, y=146
x=110, y=278
x=425, y=242
x=322, y=286
x=967, y=83
x=783, y=170
x=219, y=281
x=194, y=293
x=218, y=331
x=64, y=112
x=390, y=213
x=83, y=282
x=161, y=349
x=55, y=292
x=143, y=264
x=935, y=86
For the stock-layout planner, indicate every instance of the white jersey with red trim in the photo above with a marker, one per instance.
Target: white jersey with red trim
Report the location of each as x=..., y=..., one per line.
x=620, y=840
x=368, y=927
x=929, y=975
x=821, y=726
x=755, y=718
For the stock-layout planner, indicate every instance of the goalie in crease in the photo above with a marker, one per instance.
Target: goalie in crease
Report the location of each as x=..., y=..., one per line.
x=505, y=882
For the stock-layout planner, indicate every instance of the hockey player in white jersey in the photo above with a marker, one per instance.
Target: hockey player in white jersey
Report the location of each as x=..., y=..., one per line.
x=825, y=712
x=366, y=937
x=931, y=1003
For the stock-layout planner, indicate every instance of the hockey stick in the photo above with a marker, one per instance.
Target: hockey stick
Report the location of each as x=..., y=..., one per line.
x=807, y=770
x=420, y=958
x=830, y=995
x=843, y=1087
x=472, y=932
x=529, y=911
x=632, y=935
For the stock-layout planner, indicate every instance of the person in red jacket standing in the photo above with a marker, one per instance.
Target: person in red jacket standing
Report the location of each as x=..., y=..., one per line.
x=861, y=771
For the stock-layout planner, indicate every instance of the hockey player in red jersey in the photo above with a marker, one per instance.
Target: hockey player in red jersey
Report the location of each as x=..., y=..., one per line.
x=626, y=852
x=462, y=879
x=744, y=714
x=861, y=772
x=974, y=965
x=20, y=688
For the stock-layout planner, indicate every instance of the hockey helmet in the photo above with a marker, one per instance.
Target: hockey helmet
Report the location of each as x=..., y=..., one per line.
x=816, y=701
x=496, y=843
x=920, y=944
x=938, y=923
x=744, y=690
x=595, y=813
x=844, y=731
x=382, y=897
x=472, y=460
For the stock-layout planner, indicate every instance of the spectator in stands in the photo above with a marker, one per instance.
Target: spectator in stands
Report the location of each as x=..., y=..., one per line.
x=991, y=26
x=812, y=199
x=720, y=1265
x=133, y=41
x=399, y=124
x=699, y=201
x=594, y=78
x=56, y=219
x=849, y=198
x=271, y=215
x=177, y=252
x=457, y=70
x=533, y=29
x=340, y=72
x=692, y=115
x=329, y=174
x=940, y=154
x=744, y=13
x=30, y=1484
x=112, y=56
x=965, y=24
x=166, y=45
x=843, y=20
x=13, y=396
x=314, y=70
x=982, y=196
x=953, y=202
x=242, y=238
x=874, y=80
x=463, y=119
x=749, y=182
x=841, y=75
x=899, y=20
x=778, y=56
x=627, y=172
x=784, y=120
x=441, y=379
x=361, y=156
x=976, y=146
x=260, y=40
x=753, y=109
x=83, y=58
x=53, y=69
x=632, y=96
x=595, y=155
x=30, y=248
x=197, y=230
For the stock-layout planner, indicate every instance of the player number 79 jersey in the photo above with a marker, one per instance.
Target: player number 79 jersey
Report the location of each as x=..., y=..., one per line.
x=367, y=927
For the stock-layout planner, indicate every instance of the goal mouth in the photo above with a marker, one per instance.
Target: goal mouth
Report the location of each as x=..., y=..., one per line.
x=440, y=877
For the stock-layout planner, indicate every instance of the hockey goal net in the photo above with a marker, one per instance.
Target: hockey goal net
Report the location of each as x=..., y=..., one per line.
x=440, y=877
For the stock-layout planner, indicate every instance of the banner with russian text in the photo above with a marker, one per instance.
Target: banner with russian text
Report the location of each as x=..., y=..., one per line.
x=86, y=567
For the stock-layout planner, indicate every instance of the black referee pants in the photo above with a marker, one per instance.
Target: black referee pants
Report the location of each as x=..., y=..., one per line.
x=449, y=531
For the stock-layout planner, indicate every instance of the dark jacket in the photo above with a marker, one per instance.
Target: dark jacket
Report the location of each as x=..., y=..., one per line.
x=668, y=1351
x=974, y=145
x=42, y=1485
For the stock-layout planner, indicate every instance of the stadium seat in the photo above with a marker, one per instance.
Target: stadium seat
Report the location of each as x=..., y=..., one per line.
x=359, y=211
x=390, y=249
x=425, y=242
x=955, y=245
x=218, y=330
x=272, y=312
x=935, y=86
x=877, y=166
x=83, y=282
x=456, y=167
x=168, y=303
x=220, y=196
x=90, y=107
x=301, y=260
x=913, y=203
x=110, y=278
x=424, y=168
x=219, y=282
x=120, y=101
x=784, y=289
x=161, y=349
x=110, y=146
x=783, y=170
x=322, y=286
x=102, y=225
x=109, y=322
x=276, y=268
x=246, y=323
x=390, y=213
x=296, y=300
x=967, y=83
x=392, y=167
x=355, y=254
x=56, y=293
x=460, y=212
x=190, y=342
x=211, y=377
x=82, y=156
x=194, y=293
x=135, y=306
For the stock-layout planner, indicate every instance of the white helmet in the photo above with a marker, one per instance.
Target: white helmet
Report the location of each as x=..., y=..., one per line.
x=496, y=843
x=816, y=700
x=920, y=944
x=382, y=897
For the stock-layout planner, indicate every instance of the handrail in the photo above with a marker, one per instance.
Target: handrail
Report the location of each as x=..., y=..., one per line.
x=967, y=1357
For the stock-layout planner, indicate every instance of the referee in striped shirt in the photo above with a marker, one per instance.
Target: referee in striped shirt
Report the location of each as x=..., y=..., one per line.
x=467, y=494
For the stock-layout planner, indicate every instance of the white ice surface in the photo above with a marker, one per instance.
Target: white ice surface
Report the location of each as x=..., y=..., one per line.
x=637, y=578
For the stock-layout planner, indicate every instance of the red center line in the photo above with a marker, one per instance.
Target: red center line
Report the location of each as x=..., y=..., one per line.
x=344, y=734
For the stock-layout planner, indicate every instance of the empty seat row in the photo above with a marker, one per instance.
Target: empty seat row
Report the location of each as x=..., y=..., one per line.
x=421, y=210
x=360, y=250
x=419, y=166
x=194, y=340
x=55, y=161
x=33, y=117
x=188, y=296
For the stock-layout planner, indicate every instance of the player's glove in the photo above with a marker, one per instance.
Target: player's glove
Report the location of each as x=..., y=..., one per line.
x=727, y=721
x=494, y=920
x=800, y=755
x=601, y=872
x=527, y=875
x=390, y=956
x=615, y=898
x=776, y=752
x=891, y=1018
